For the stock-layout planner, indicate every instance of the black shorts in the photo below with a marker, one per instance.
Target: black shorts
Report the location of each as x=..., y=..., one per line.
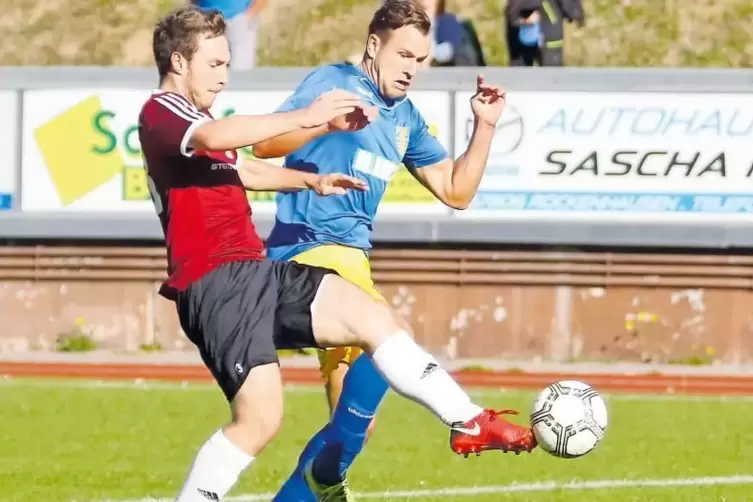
x=242, y=312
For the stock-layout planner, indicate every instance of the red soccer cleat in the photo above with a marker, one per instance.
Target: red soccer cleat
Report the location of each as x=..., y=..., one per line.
x=488, y=431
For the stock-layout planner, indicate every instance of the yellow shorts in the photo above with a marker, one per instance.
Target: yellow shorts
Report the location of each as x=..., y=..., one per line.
x=353, y=265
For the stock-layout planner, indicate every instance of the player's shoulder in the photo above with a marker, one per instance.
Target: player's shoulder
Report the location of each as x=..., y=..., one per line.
x=335, y=70
x=335, y=73
x=169, y=104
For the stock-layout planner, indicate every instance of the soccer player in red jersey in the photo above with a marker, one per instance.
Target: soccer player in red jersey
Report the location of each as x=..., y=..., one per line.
x=239, y=308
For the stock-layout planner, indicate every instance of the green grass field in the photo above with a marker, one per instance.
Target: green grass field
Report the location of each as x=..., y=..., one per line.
x=67, y=440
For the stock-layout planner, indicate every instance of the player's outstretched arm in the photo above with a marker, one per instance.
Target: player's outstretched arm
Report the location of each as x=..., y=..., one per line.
x=455, y=183
x=257, y=175
x=240, y=131
x=285, y=144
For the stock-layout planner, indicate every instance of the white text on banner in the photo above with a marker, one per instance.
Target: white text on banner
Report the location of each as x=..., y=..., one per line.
x=591, y=155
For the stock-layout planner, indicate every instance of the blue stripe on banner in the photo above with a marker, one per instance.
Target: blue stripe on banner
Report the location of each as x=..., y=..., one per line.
x=613, y=202
x=6, y=201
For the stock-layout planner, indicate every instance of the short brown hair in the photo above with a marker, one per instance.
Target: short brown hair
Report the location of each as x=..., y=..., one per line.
x=394, y=14
x=179, y=32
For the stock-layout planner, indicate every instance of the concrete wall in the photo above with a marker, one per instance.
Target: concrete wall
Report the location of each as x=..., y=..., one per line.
x=558, y=306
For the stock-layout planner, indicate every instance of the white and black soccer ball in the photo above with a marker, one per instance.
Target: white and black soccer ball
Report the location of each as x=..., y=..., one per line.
x=569, y=418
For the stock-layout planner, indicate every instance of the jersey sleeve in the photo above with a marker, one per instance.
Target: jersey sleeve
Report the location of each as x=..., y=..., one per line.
x=424, y=149
x=171, y=120
x=315, y=84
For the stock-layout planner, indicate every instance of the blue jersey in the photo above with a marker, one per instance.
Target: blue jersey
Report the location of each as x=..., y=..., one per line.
x=398, y=135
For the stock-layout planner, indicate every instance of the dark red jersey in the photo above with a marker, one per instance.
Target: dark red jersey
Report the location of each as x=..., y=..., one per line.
x=198, y=195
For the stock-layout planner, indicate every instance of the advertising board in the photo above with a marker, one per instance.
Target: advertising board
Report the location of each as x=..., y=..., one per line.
x=8, y=148
x=613, y=155
x=81, y=150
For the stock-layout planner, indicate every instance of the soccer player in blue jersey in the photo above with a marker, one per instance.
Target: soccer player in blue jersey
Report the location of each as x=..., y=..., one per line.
x=370, y=143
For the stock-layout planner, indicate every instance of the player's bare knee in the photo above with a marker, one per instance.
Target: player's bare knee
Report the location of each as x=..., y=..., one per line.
x=377, y=322
x=401, y=323
x=265, y=413
x=384, y=322
x=270, y=422
x=255, y=425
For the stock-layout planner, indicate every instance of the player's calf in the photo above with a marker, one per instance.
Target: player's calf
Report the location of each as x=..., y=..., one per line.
x=335, y=380
x=229, y=451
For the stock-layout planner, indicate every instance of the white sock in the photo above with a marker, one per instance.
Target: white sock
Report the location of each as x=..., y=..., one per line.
x=215, y=470
x=415, y=374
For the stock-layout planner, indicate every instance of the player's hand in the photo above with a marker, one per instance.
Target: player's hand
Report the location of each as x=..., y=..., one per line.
x=356, y=120
x=338, y=184
x=328, y=106
x=488, y=102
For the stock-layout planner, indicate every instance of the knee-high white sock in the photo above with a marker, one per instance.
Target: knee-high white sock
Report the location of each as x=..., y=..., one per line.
x=416, y=374
x=215, y=470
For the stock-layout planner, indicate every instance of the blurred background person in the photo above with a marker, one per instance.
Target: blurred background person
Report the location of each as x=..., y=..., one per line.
x=242, y=19
x=454, y=43
x=535, y=30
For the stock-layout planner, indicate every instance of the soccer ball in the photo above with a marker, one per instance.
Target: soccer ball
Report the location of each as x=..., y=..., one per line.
x=569, y=419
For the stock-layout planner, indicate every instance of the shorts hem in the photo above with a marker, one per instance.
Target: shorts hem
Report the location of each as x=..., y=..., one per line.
x=244, y=376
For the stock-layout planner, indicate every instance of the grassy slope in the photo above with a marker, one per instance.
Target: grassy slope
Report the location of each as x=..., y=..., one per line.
x=619, y=32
